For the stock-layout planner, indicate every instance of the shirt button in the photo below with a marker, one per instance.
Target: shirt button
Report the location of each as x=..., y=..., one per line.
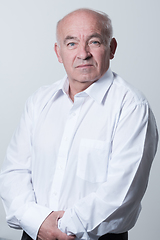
x=60, y=167
x=65, y=139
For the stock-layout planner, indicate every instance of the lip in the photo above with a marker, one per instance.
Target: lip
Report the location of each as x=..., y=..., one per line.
x=84, y=66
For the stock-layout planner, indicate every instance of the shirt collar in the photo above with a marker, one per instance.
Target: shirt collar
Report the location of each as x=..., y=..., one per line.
x=62, y=86
x=97, y=90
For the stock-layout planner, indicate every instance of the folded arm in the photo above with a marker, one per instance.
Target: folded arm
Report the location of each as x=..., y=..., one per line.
x=115, y=206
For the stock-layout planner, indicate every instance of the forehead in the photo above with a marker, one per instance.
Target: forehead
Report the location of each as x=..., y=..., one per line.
x=79, y=25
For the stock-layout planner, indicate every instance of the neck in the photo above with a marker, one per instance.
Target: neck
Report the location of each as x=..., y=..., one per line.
x=77, y=87
x=71, y=95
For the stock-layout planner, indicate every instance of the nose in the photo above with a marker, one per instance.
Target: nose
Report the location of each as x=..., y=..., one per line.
x=83, y=52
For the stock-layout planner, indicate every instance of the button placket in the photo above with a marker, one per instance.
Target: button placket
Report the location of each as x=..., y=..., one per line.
x=63, y=153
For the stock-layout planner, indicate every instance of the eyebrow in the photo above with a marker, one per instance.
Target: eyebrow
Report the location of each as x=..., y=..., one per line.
x=69, y=37
x=97, y=35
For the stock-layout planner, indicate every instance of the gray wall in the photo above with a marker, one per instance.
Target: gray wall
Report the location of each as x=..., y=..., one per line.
x=27, y=61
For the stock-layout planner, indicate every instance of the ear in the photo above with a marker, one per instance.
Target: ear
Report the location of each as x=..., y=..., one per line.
x=113, y=46
x=57, y=51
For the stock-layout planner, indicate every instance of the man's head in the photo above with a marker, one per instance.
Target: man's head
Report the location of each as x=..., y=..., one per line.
x=85, y=45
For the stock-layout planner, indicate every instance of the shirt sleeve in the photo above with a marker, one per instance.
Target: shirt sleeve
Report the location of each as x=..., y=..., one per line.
x=22, y=211
x=114, y=204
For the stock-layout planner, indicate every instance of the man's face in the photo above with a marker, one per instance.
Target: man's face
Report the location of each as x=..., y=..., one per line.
x=82, y=48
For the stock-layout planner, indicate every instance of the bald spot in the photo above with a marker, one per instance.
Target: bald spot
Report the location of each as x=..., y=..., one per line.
x=102, y=22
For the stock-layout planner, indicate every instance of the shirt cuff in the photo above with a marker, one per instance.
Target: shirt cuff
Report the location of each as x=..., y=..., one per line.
x=33, y=218
x=71, y=225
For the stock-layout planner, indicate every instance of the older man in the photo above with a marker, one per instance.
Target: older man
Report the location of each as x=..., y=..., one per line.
x=78, y=164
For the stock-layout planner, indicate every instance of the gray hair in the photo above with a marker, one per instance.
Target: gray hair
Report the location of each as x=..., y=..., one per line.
x=104, y=20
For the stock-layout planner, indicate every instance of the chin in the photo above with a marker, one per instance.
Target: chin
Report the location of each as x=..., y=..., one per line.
x=89, y=78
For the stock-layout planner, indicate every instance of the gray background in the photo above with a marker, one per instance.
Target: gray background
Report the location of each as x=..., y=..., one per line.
x=27, y=61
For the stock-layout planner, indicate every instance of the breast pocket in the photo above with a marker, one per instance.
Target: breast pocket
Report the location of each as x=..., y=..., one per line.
x=93, y=157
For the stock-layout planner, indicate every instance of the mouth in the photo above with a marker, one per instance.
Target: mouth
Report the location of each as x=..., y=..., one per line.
x=84, y=66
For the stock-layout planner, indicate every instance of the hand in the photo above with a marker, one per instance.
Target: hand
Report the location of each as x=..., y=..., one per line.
x=49, y=228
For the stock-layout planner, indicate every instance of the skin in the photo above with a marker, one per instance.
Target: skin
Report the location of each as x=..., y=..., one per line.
x=49, y=229
x=83, y=50
x=85, y=54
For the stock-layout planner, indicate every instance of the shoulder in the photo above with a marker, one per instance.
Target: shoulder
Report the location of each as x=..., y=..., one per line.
x=42, y=96
x=127, y=92
x=44, y=93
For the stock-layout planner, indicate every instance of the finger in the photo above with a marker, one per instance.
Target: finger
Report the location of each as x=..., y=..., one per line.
x=63, y=236
x=71, y=237
x=60, y=214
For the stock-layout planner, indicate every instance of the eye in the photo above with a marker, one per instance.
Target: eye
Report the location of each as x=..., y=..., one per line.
x=71, y=44
x=95, y=43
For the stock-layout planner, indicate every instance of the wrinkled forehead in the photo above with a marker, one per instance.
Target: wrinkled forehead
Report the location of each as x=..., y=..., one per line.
x=79, y=22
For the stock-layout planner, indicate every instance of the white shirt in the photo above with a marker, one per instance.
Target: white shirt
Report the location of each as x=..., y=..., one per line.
x=90, y=158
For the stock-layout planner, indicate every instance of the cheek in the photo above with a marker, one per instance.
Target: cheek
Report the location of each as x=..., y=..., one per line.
x=99, y=55
x=68, y=64
x=67, y=59
x=104, y=58
x=100, y=60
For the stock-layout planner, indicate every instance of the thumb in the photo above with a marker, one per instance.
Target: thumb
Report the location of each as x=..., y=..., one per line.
x=60, y=214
